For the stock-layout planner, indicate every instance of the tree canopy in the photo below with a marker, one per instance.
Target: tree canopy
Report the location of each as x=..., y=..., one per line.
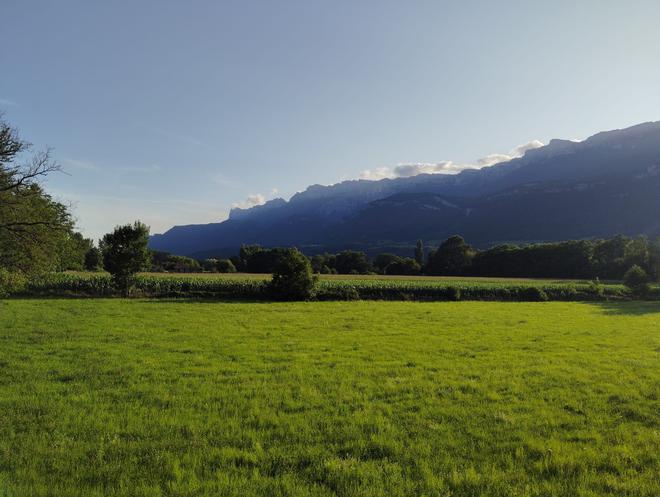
x=36, y=232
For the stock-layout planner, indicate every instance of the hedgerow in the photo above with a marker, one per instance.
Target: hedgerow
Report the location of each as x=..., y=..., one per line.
x=190, y=286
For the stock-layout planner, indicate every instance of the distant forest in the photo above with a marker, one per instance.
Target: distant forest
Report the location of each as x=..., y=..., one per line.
x=607, y=259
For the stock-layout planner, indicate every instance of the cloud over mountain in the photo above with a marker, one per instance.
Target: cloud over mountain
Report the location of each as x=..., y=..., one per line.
x=407, y=170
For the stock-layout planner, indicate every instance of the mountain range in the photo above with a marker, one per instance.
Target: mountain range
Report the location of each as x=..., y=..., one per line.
x=605, y=185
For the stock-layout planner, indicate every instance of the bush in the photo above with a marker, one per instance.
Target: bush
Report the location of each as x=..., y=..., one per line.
x=533, y=294
x=11, y=282
x=292, y=277
x=637, y=281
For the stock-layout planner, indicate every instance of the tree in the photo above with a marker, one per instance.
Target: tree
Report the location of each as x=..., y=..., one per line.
x=636, y=252
x=36, y=232
x=609, y=257
x=125, y=252
x=292, y=277
x=382, y=261
x=73, y=249
x=637, y=280
x=404, y=266
x=452, y=258
x=93, y=259
x=225, y=266
x=351, y=262
x=654, y=259
x=419, y=252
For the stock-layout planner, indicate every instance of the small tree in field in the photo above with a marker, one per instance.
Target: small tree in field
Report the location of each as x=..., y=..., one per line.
x=125, y=253
x=637, y=280
x=292, y=278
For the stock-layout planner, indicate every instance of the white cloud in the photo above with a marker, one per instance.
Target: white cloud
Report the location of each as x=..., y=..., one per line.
x=406, y=170
x=251, y=201
x=7, y=103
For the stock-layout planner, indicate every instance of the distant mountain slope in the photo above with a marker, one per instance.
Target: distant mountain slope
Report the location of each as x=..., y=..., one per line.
x=607, y=184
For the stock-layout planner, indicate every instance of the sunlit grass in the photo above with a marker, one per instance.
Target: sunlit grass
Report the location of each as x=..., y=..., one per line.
x=136, y=398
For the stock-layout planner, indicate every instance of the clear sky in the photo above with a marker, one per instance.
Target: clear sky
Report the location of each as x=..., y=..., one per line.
x=173, y=111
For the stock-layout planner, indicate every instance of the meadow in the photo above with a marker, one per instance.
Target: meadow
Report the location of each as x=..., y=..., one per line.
x=115, y=397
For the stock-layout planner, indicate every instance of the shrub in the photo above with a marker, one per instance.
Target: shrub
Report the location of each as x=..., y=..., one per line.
x=292, y=277
x=533, y=294
x=637, y=281
x=11, y=282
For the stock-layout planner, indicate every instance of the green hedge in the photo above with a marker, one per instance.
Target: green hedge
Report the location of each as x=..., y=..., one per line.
x=99, y=285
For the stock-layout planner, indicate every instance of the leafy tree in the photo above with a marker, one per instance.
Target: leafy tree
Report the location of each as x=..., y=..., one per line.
x=324, y=263
x=210, y=265
x=394, y=265
x=73, y=250
x=225, y=266
x=36, y=232
x=351, y=262
x=93, y=259
x=404, y=266
x=125, y=253
x=654, y=259
x=292, y=277
x=637, y=280
x=382, y=261
x=608, y=258
x=636, y=252
x=453, y=257
x=419, y=252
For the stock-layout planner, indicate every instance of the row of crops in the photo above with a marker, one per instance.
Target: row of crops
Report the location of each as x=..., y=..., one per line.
x=191, y=286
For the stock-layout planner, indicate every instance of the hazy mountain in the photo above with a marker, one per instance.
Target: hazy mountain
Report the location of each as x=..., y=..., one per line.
x=607, y=184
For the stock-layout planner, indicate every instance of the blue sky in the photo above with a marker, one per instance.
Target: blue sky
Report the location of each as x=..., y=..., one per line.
x=172, y=112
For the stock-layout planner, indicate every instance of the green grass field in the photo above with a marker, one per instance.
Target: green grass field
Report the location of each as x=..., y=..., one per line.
x=180, y=398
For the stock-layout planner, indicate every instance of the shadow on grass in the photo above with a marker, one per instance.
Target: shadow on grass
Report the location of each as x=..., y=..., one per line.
x=631, y=308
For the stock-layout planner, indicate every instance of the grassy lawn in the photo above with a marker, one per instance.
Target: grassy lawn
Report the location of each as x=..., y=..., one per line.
x=178, y=398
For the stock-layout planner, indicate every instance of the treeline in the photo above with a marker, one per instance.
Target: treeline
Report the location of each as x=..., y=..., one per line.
x=607, y=259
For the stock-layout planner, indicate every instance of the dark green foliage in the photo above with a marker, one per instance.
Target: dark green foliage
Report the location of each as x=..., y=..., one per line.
x=225, y=266
x=452, y=258
x=394, y=265
x=637, y=280
x=292, y=277
x=324, y=263
x=351, y=262
x=637, y=252
x=570, y=260
x=93, y=259
x=36, y=232
x=242, y=288
x=165, y=262
x=210, y=265
x=125, y=253
x=382, y=261
x=608, y=259
x=654, y=259
x=11, y=283
x=419, y=252
x=259, y=260
x=404, y=266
